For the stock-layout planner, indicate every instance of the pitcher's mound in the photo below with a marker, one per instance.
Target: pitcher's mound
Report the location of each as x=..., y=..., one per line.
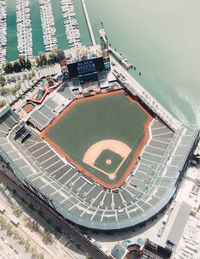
x=108, y=162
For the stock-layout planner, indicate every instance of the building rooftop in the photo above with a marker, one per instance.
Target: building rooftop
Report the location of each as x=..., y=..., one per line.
x=179, y=223
x=83, y=53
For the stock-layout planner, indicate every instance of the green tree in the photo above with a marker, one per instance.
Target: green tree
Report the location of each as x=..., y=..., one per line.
x=60, y=54
x=8, y=68
x=21, y=240
x=17, y=210
x=30, y=76
x=22, y=61
x=8, y=227
x=2, y=103
x=43, y=59
x=13, y=79
x=16, y=234
x=34, y=251
x=17, y=66
x=25, y=76
x=35, y=226
x=46, y=237
x=2, y=222
x=27, y=245
x=28, y=64
x=15, y=89
x=31, y=224
x=88, y=255
x=2, y=80
x=26, y=219
x=41, y=256
x=37, y=59
x=53, y=58
x=4, y=91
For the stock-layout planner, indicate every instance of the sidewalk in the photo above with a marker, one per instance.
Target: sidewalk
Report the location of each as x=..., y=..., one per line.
x=25, y=232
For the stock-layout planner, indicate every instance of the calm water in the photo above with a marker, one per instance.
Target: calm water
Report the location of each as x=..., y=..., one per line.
x=162, y=40
x=36, y=27
x=59, y=23
x=12, y=53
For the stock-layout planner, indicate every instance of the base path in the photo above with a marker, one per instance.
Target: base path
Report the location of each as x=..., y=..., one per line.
x=96, y=149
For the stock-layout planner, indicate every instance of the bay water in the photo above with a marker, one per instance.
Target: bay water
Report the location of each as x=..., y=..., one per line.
x=162, y=39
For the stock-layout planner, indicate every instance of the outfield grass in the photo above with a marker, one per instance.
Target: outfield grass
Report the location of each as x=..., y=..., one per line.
x=93, y=120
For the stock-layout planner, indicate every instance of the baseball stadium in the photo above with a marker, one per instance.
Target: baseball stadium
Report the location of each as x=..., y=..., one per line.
x=99, y=150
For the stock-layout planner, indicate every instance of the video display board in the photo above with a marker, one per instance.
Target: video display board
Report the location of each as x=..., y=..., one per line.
x=86, y=67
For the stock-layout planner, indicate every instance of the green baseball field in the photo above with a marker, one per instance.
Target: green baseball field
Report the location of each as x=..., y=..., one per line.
x=102, y=136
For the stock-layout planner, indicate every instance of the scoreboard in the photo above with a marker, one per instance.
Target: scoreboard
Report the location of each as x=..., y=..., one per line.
x=86, y=67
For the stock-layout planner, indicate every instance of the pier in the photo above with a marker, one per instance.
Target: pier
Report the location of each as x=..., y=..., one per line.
x=122, y=60
x=118, y=56
x=88, y=22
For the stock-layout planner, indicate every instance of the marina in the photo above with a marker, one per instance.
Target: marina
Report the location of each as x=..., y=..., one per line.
x=24, y=30
x=71, y=23
x=3, y=31
x=29, y=27
x=48, y=25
